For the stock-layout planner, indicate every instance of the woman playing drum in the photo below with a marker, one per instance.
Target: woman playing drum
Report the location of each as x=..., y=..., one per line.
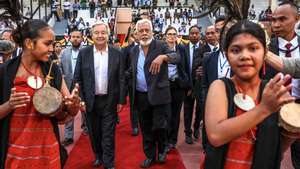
x=30, y=140
x=242, y=129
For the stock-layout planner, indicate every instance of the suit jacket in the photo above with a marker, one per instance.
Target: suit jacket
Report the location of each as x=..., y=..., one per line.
x=204, y=49
x=158, y=85
x=273, y=47
x=182, y=69
x=126, y=55
x=210, y=69
x=66, y=66
x=196, y=62
x=85, y=76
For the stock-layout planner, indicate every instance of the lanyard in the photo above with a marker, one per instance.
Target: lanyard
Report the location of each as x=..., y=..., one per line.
x=222, y=64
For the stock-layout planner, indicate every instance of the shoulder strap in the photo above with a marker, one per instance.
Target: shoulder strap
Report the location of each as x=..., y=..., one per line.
x=215, y=156
x=230, y=92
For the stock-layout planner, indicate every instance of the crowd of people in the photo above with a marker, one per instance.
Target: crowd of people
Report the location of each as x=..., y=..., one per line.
x=230, y=82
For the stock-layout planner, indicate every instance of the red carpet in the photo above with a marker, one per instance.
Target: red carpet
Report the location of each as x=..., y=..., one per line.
x=129, y=153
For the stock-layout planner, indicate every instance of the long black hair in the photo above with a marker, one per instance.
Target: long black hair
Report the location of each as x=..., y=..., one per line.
x=30, y=29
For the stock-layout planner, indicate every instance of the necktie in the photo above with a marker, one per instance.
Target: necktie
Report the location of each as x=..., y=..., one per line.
x=215, y=49
x=288, y=52
x=194, y=49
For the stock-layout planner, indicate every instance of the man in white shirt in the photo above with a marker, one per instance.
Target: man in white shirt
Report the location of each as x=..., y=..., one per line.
x=100, y=74
x=67, y=7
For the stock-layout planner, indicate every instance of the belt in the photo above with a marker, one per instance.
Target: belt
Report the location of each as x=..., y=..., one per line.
x=101, y=95
x=138, y=92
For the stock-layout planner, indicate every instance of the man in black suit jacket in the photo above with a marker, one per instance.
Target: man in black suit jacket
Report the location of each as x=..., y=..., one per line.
x=100, y=74
x=151, y=90
x=286, y=44
x=133, y=111
x=191, y=53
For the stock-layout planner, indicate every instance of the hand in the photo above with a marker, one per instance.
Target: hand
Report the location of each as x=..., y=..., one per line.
x=276, y=94
x=82, y=107
x=156, y=63
x=199, y=72
x=18, y=99
x=119, y=107
x=189, y=93
x=73, y=101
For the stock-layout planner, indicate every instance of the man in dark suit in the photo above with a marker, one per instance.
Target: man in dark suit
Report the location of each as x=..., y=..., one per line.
x=151, y=90
x=189, y=101
x=215, y=65
x=100, y=74
x=133, y=111
x=286, y=44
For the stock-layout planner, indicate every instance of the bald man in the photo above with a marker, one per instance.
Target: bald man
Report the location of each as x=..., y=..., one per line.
x=286, y=44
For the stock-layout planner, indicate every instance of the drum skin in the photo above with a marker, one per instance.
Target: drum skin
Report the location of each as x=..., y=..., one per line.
x=48, y=101
x=289, y=117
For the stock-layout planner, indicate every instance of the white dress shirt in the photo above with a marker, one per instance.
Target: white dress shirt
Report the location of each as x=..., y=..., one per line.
x=101, y=71
x=223, y=66
x=295, y=54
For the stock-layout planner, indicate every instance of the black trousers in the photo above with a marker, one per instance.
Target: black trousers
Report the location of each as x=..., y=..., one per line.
x=177, y=94
x=153, y=122
x=188, y=115
x=75, y=13
x=102, y=125
x=295, y=154
x=133, y=111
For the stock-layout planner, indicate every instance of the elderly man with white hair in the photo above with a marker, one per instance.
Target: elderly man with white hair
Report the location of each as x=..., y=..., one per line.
x=151, y=90
x=6, y=50
x=100, y=74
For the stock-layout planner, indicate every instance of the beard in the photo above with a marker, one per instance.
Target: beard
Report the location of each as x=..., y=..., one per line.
x=146, y=43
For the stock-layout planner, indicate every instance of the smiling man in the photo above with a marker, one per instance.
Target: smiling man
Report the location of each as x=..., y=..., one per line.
x=151, y=90
x=100, y=74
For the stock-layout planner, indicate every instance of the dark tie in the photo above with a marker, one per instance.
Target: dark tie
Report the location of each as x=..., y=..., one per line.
x=194, y=49
x=288, y=52
x=215, y=49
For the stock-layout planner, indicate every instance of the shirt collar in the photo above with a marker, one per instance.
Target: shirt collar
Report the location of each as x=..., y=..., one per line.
x=96, y=51
x=212, y=46
x=282, y=42
x=196, y=45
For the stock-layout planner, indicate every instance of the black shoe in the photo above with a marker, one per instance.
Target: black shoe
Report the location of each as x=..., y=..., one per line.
x=196, y=134
x=188, y=140
x=147, y=163
x=67, y=141
x=162, y=158
x=97, y=163
x=135, y=132
x=109, y=168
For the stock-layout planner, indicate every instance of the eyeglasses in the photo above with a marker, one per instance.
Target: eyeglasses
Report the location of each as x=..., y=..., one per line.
x=171, y=34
